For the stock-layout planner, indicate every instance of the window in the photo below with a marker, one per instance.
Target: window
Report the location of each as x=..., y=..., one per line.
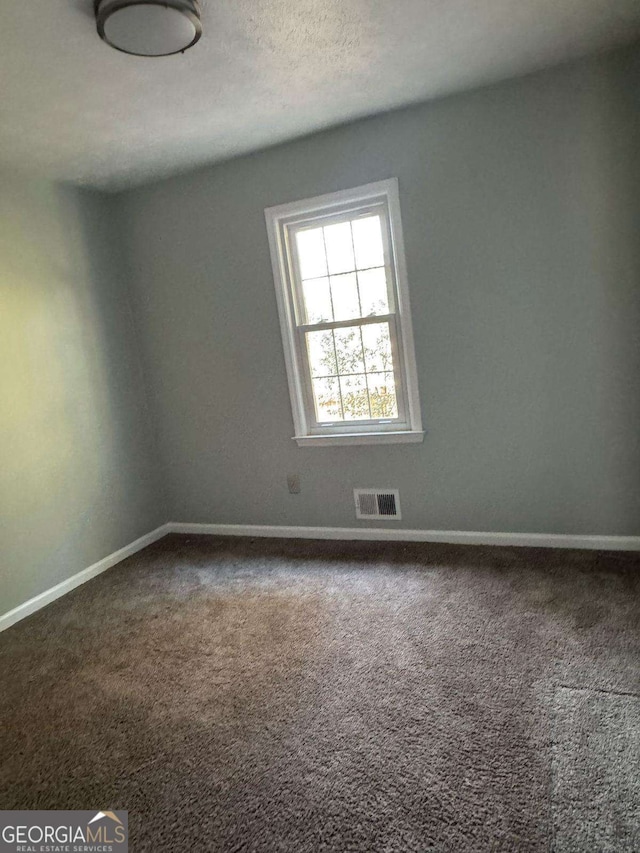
x=340, y=279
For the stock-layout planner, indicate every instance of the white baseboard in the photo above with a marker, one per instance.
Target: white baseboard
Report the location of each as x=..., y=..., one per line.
x=466, y=537
x=462, y=537
x=49, y=595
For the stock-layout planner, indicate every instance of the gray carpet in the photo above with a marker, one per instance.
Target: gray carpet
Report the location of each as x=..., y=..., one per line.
x=596, y=771
x=271, y=695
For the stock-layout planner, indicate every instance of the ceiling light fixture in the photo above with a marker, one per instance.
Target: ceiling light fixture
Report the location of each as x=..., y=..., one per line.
x=149, y=27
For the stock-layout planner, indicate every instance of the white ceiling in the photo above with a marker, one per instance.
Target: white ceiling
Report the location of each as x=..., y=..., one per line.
x=265, y=70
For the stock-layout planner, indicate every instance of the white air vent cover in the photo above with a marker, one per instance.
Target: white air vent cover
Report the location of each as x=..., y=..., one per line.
x=377, y=503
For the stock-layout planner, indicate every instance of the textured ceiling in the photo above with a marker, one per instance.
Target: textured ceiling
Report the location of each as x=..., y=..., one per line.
x=265, y=71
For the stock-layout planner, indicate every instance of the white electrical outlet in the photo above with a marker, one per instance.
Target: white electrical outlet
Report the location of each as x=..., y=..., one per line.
x=293, y=483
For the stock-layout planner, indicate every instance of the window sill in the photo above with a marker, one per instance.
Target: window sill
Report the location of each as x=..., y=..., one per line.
x=351, y=438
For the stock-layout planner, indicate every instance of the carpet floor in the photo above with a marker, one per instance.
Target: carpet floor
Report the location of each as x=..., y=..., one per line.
x=276, y=695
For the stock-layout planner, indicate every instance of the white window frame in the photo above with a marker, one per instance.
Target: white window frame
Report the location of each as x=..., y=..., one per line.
x=281, y=220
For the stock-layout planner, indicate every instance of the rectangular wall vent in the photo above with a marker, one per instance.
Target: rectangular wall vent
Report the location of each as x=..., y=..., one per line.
x=377, y=503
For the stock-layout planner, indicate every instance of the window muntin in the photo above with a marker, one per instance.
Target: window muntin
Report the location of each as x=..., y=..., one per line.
x=343, y=302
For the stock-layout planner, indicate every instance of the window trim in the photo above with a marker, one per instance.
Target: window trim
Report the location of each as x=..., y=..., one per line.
x=278, y=219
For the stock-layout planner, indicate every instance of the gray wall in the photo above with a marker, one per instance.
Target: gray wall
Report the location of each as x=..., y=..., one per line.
x=77, y=474
x=520, y=210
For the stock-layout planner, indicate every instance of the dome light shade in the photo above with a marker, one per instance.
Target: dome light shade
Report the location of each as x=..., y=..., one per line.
x=149, y=27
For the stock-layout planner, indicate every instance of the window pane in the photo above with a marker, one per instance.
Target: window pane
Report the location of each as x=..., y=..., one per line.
x=326, y=394
x=344, y=290
x=373, y=292
x=377, y=347
x=355, y=398
x=311, y=254
x=382, y=395
x=322, y=357
x=339, y=248
x=317, y=300
x=367, y=239
x=349, y=350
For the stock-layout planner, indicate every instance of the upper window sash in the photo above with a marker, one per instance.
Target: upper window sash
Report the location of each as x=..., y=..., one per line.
x=348, y=215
